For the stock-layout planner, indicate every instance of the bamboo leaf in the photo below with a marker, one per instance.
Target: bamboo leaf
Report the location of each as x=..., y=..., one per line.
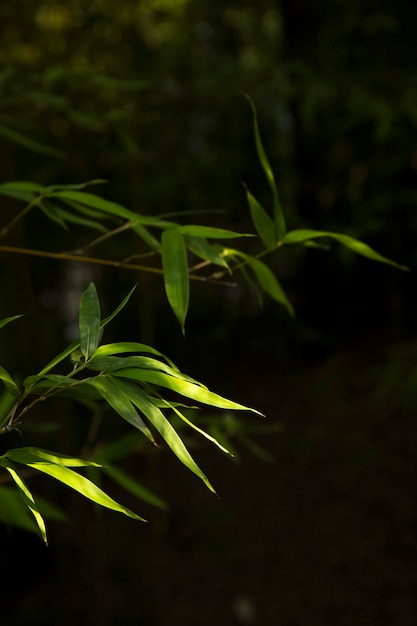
x=36, y=455
x=28, y=498
x=89, y=321
x=30, y=144
x=82, y=485
x=203, y=249
x=175, y=266
x=130, y=346
x=302, y=235
x=278, y=213
x=210, y=232
x=95, y=202
x=9, y=383
x=270, y=284
x=199, y=430
x=183, y=387
x=115, y=395
x=264, y=225
x=166, y=430
x=7, y=320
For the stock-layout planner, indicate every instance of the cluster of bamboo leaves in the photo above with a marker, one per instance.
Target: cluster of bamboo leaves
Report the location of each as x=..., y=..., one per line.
x=132, y=378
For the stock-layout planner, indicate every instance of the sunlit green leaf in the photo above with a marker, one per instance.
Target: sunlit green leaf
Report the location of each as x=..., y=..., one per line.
x=183, y=387
x=120, y=401
x=169, y=434
x=36, y=455
x=299, y=236
x=202, y=432
x=27, y=497
x=83, y=485
x=175, y=266
x=130, y=346
x=89, y=321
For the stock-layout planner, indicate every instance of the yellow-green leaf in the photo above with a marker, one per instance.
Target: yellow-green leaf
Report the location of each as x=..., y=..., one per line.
x=175, y=266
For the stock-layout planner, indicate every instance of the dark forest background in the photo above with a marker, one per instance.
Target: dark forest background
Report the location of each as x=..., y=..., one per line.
x=317, y=520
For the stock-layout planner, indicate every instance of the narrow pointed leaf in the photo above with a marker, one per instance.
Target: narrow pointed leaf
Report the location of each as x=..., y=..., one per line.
x=29, y=500
x=175, y=266
x=183, y=387
x=120, y=402
x=130, y=346
x=89, y=321
x=83, y=485
x=167, y=432
x=210, y=232
x=36, y=455
x=203, y=249
x=302, y=235
x=199, y=430
x=8, y=381
x=7, y=320
x=264, y=225
x=278, y=213
x=30, y=144
x=95, y=202
x=270, y=284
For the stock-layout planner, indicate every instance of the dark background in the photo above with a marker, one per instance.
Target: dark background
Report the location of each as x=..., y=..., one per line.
x=317, y=520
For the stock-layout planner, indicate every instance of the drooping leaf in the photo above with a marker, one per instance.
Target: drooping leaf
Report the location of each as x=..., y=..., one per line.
x=9, y=383
x=37, y=455
x=183, y=387
x=130, y=346
x=120, y=401
x=175, y=266
x=278, y=212
x=302, y=235
x=166, y=430
x=95, y=202
x=265, y=227
x=89, y=321
x=270, y=284
x=84, y=486
x=202, y=432
x=7, y=320
x=27, y=497
x=203, y=249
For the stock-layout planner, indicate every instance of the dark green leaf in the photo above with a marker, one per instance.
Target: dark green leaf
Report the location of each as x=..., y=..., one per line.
x=265, y=227
x=175, y=266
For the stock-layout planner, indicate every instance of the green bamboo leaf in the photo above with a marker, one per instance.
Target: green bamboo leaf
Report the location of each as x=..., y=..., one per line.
x=119, y=449
x=203, y=249
x=27, y=497
x=36, y=455
x=9, y=383
x=120, y=401
x=13, y=510
x=52, y=212
x=166, y=430
x=270, y=284
x=202, y=432
x=75, y=187
x=7, y=320
x=183, y=387
x=264, y=225
x=134, y=487
x=147, y=237
x=81, y=221
x=76, y=344
x=210, y=232
x=95, y=202
x=302, y=235
x=113, y=363
x=21, y=190
x=82, y=485
x=175, y=266
x=130, y=346
x=278, y=212
x=89, y=321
